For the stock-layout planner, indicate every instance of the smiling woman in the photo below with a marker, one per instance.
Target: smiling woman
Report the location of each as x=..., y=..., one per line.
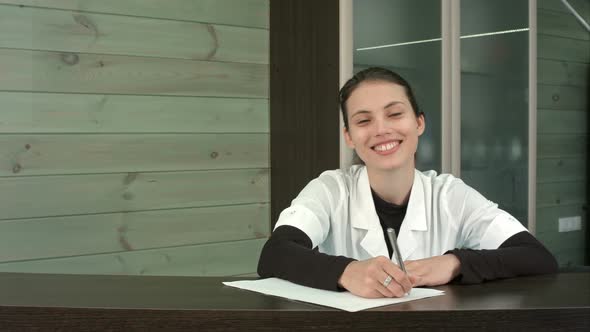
x=335, y=228
x=384, y=119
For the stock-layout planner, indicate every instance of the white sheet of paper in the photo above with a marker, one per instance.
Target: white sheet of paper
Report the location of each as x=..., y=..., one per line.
x=340, y=300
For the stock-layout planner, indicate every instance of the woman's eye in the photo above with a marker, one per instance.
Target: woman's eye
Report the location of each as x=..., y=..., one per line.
x=362, y=121
x=395, y=114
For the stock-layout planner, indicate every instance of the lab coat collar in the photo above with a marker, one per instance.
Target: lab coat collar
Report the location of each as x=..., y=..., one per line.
x=415, y=219
x=365, y=217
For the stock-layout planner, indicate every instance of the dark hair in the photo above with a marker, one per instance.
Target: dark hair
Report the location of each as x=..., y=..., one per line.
x=371, y=75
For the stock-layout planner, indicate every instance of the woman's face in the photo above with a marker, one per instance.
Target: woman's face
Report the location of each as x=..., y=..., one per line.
x=383, y=128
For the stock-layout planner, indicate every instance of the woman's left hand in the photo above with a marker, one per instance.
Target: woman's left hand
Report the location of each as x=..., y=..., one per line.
x=433, y=271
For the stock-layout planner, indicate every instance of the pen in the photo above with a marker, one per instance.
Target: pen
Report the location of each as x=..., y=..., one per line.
x=398, y=255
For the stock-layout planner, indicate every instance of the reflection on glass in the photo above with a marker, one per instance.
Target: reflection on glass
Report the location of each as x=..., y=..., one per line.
x=404, y=36
x=494, y=105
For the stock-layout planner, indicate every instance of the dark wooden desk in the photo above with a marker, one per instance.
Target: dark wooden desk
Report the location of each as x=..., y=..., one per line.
x=91, y=302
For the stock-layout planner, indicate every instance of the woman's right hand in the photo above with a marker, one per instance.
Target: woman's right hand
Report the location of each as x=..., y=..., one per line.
x=366, y=278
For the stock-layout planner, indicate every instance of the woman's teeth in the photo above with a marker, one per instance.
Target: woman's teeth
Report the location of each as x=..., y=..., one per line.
x=386, y=147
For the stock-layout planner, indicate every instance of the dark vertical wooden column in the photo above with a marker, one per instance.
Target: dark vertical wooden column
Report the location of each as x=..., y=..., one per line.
x=304, y=85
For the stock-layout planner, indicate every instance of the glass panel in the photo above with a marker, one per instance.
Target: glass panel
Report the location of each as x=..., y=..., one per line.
x=382, y=29
x=494, y=105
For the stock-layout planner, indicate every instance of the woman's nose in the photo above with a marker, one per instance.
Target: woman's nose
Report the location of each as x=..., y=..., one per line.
x=382, y=127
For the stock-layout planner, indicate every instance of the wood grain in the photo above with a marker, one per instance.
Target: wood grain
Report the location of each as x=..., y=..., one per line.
x=561, y=24
x=562, y=97
x=562, y=169
x=562, y=145
x=561, y=192
x=98, y=303
x=216, y=259
x=563, y=73
x=559, y=122
x=75, y=32
x=38, y=238
x=112, y=153
x=43, y=196
x=564, y=49
x=41, y=71
x=250, y=13
x=26, y=112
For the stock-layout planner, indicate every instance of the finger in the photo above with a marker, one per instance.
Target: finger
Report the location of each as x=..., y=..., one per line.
x=400, y=276
x=393, y=289
x=380, y=284
x=396, y=289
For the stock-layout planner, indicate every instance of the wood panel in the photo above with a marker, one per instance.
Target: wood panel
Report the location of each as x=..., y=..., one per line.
x=27, y=239
x=251, y=13
x=67, y=31
x=565, y=49
x=217, y=259
x=24, y=70
x=562, y=164
x=558, y=193
x=79, y=154
x=562, y=73
x=562, y=97
x=560, y=24
x=24, y=112
x=547, y=217
x=562, y=169
x=41, y=196
x=581, y=6
x=134, y=136
x=556, y=241
x=549, y=145
x=571, y=257
x=304, y=102
x=558, y=121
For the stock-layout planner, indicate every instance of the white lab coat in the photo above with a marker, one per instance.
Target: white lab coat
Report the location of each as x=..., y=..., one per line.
x=337, y=212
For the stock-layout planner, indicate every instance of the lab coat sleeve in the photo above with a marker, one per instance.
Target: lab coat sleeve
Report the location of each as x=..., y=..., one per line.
x=482, y=224
x=311, y=210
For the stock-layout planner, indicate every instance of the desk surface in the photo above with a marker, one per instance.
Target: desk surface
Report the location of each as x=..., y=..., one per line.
x=99, y=302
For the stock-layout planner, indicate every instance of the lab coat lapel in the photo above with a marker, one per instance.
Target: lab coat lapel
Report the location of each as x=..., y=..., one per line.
x=415, y=219
x=364, y=217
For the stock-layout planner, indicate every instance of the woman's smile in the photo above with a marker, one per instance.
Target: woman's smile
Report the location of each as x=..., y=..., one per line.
x=387, y=148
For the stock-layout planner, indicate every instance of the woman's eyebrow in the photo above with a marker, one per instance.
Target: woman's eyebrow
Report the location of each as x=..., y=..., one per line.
x=360, y=112
x=393, y=103
x=390, y=104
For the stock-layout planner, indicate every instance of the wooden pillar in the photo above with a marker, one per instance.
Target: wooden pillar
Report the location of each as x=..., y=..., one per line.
x=304, y=87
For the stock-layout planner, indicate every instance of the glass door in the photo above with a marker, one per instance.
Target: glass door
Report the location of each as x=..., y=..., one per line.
x=494, y=101
x=405, y=36
x=492, y=76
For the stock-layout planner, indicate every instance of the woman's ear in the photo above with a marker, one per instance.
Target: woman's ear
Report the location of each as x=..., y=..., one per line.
x=421, y=124
x=347, y=138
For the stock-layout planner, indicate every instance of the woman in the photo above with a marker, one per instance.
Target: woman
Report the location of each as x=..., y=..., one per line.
x=332, y=236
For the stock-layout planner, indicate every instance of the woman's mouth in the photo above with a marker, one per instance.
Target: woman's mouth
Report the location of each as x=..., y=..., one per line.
x=387, y=148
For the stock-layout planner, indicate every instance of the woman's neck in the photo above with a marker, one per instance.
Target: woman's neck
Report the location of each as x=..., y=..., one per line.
x=394, y=186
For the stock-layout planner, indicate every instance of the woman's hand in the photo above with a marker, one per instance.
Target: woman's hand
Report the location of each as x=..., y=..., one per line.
x=433, y=271
x=366, y=278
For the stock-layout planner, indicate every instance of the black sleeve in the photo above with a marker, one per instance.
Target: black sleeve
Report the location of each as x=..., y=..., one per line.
x=519, y=255
x=288, y=255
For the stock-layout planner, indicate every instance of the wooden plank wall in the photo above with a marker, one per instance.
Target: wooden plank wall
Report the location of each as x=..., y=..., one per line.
x=134, y=136
x=563, y=106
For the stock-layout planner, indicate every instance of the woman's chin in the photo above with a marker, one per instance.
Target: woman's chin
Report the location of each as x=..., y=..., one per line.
x=389, y=165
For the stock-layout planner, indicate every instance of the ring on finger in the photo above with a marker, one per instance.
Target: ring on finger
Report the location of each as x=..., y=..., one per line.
x=387, y=281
